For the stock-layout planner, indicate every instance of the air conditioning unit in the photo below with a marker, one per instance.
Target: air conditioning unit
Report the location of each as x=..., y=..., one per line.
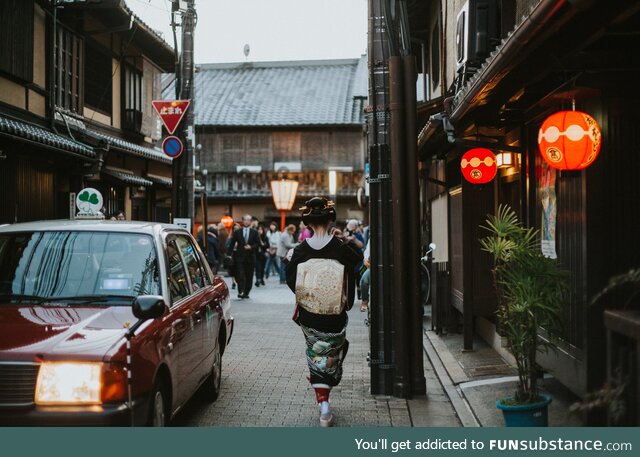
x=287, y=166
x=248, y=168
x=477, y=32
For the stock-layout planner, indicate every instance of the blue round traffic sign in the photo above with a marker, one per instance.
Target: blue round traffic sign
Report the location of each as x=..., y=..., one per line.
x=172, y=146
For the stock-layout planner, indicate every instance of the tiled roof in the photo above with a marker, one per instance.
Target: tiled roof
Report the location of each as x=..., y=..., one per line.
x=44, y=136
x=160, y=180
x=126, y=146
x=296, y=93
x=127, y=177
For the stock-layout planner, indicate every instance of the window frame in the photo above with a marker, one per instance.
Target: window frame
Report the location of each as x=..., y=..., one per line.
x=17, y=40
x=132, y=91
x=169, y=238
x=91, y=47
x=198, y=261
x=74, y=81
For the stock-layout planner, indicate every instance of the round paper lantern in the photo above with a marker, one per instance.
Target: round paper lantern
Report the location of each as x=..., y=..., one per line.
x=478, y=166
x=569, y=140
x=227, y=221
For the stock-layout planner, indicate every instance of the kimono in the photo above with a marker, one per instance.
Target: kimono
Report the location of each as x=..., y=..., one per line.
x=325, y=334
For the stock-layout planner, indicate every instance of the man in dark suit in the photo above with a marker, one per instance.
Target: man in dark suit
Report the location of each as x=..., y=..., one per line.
x=244, y=243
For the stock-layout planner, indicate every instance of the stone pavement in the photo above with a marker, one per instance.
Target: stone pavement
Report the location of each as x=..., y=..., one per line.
x=264, y=376
x=474, y=380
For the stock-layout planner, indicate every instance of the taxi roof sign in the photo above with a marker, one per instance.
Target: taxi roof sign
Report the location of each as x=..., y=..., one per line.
x=89, y=202
x=171, y=112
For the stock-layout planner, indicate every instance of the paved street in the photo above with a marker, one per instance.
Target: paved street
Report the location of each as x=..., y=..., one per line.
x=264, y=376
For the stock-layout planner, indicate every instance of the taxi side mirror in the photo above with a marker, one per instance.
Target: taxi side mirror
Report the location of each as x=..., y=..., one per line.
x=149, y=307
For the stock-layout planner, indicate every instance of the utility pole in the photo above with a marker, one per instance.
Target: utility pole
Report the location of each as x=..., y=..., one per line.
x=381, y=358
x=396, y=310
x=183, y=167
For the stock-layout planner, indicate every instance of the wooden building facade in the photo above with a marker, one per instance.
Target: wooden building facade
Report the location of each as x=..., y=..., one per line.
x=256, y=122
x=76, y=85
x=540, y=57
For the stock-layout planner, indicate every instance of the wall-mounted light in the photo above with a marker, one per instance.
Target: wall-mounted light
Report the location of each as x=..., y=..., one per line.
x=504, y=159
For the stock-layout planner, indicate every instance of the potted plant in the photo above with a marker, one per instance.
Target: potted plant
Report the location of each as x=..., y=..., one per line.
x=530, y=289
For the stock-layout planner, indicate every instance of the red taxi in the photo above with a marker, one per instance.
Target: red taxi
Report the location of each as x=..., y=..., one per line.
x=70, y=294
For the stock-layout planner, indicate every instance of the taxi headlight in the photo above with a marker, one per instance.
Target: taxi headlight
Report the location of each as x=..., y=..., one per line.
x=69, y=383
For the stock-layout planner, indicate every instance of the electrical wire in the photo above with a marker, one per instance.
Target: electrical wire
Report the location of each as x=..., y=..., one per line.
x=123, y=53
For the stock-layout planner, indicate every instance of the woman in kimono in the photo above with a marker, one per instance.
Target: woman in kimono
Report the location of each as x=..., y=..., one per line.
x=321, y=272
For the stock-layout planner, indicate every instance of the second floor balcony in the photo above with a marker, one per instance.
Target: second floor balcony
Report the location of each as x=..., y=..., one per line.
x=257, y=186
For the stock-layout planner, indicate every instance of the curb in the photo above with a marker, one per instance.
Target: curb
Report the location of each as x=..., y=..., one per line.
x=457, y=398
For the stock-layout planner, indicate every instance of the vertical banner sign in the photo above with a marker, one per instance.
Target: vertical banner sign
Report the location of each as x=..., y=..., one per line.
x=171, y=112
x=72, y=205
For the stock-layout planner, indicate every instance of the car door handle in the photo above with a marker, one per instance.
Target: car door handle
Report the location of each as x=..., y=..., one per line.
x=180, y=327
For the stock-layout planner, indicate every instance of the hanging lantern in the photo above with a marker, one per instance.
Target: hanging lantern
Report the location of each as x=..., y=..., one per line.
x=478, y=166
x=227, y=221
x=569, y=140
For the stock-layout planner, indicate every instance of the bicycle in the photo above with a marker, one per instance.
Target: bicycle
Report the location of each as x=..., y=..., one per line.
x=425, y=275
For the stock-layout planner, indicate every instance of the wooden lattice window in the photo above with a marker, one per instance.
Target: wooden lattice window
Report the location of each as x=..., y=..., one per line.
x=68, y=70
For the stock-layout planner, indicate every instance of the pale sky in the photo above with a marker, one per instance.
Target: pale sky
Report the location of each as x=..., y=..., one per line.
x=274, y=29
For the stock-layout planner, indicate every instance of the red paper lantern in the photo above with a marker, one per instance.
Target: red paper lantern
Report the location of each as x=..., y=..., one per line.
x=569, y=140
x=478, y=166
x=227, y=221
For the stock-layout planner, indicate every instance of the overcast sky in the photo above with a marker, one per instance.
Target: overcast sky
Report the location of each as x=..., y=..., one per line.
x=274, y=29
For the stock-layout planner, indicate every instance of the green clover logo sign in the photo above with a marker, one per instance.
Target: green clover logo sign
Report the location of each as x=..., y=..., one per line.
x=89, y=201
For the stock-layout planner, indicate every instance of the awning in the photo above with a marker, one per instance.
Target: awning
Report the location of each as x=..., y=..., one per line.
x=131, y=148
x=126, y=177
x=160, y=180
x=30, y=133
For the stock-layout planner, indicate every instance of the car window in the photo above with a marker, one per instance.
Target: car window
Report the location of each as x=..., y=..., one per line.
x=177, y=276
x=194, y=267
x=78, y=263
x=202, y=265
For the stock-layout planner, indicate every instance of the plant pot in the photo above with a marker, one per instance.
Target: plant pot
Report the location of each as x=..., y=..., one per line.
x=528, y=415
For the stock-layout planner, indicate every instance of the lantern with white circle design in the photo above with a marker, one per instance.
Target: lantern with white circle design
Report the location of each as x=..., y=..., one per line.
x=478, y=166
x=569, y=140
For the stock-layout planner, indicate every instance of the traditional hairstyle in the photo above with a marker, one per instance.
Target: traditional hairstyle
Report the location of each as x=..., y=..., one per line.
x=318, y=211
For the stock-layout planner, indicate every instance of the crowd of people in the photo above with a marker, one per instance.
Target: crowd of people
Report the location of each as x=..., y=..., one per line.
x=252, y=251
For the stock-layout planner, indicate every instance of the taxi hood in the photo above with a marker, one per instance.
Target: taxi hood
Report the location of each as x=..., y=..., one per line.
x=57, y=332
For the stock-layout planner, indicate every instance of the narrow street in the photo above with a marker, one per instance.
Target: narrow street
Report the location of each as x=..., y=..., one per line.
x=264, y=376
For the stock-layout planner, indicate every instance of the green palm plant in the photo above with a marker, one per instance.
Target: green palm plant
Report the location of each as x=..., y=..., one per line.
x=530, y=289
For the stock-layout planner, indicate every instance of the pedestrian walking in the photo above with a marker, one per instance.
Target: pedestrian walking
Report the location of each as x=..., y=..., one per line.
x=286, y=243
x=320, y=271
x=223, y=235
x=273, y=260
x=261, y=255
x=228, y=262
x=244, y=243
x=213, y=249
x=304, y=232
x=365, y=279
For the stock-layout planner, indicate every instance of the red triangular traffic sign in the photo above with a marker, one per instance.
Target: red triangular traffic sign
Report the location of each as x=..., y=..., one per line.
x=171, y=112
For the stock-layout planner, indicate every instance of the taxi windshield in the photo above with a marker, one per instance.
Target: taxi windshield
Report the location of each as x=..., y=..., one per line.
x=67, y=265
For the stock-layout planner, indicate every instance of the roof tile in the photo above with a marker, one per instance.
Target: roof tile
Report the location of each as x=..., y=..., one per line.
x=320, y=92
